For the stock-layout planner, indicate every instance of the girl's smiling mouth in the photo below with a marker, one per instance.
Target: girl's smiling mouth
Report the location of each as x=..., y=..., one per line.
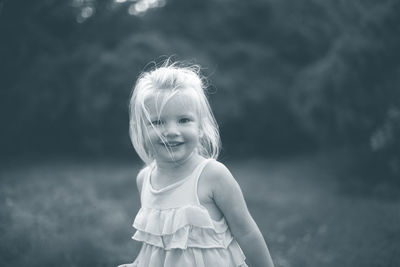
x=171, y=144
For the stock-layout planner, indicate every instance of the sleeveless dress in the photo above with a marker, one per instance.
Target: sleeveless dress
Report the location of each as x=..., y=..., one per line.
x=177, y=231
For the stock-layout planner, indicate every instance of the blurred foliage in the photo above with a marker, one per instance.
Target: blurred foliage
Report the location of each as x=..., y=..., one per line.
x=79, y=213
x=286, y=76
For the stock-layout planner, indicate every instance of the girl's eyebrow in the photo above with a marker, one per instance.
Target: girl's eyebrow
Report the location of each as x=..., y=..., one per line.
x=180, y=115
x=184, y=115
x=187, y=113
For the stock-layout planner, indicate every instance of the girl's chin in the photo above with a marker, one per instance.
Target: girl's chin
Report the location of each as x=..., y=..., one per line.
x=174, y=156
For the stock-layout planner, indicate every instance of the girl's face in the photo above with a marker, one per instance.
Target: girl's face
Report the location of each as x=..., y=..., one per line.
x=173, y=136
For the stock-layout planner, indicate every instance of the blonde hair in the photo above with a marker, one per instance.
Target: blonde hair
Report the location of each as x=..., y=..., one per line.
x=172, y=78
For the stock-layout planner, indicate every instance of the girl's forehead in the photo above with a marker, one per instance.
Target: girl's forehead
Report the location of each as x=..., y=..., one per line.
x=163, y=103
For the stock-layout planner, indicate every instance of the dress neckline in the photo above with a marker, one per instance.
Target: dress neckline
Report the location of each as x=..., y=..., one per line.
x=175, y=184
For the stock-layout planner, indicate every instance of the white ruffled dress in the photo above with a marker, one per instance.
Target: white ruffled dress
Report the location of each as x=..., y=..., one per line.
x=177, y=231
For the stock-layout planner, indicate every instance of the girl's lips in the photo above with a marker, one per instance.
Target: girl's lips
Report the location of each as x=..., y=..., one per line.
x=172, y=144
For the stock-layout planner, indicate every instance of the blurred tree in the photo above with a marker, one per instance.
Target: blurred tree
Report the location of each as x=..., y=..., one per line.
x=285, y=76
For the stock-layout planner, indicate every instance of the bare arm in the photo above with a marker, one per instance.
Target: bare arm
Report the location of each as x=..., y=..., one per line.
x=139, y=181
x=229, y=199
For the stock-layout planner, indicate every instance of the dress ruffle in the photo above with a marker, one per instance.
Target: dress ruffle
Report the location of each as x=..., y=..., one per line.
x=188, y=226
x=151, y=256
x=168, y=221
x=185, y=237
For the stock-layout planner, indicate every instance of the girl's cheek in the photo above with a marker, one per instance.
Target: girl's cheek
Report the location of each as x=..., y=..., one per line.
x=152, y=131
x=154, y=135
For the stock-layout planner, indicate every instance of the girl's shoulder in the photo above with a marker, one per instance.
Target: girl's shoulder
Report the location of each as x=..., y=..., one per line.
x=214, y=167
x=140, y=177
x=217, y=175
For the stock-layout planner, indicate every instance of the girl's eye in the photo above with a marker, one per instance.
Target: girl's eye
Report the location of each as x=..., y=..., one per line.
x=157, y=122
x=184, y=120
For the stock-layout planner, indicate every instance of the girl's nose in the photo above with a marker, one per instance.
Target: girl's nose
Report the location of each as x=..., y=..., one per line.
x=170, y=129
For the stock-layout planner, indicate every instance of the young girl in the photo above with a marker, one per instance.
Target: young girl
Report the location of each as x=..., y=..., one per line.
x=193, y=212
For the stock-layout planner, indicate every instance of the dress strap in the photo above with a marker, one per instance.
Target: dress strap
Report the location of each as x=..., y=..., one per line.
x=197, y=174
x=146, y=179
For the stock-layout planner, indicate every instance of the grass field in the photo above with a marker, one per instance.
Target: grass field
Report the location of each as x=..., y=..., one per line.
x=79, y=213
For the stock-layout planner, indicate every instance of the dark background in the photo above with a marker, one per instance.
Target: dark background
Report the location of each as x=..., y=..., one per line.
x=305, y=91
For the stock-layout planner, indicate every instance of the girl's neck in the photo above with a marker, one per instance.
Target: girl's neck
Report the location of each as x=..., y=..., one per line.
x=178, y=169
